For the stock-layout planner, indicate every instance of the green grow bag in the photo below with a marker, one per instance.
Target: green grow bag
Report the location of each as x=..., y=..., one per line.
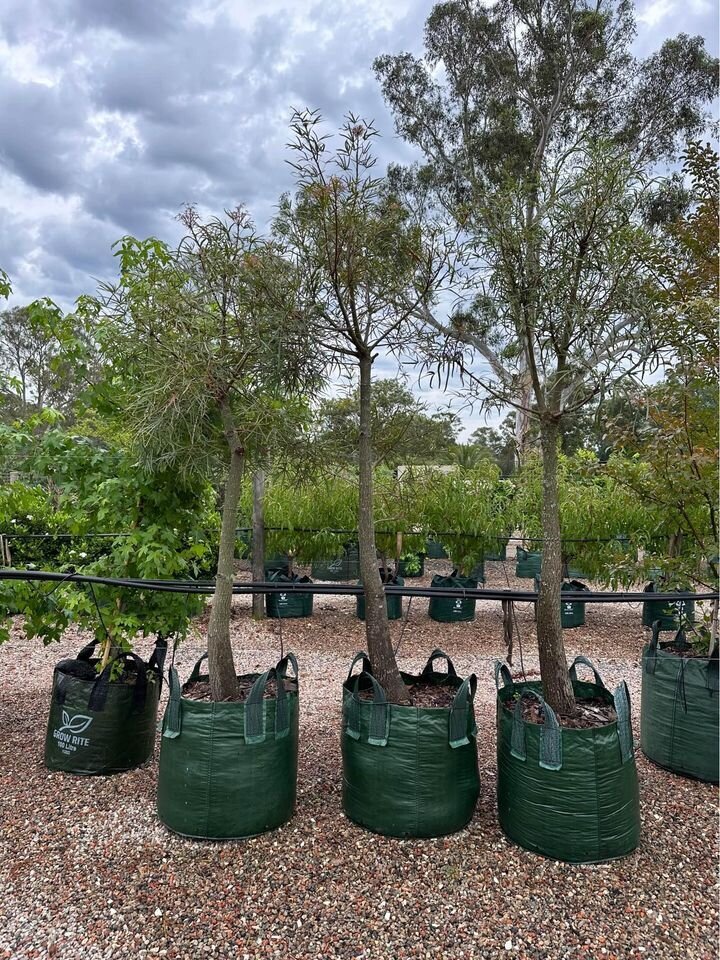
x=229, y=770
x=344, y=567
x=668, y=612
x=294, y=603
x=411, y=567
x=98, y=727
x=478, y=572
x=679, y=709
x=568, y=794
x=572, y=612
x=500, y=553
x=435, y=550
x=452, y=609
x=392, y=602
x=409, y=771
x=575, y=572
x=277, y=563
x=528, y=563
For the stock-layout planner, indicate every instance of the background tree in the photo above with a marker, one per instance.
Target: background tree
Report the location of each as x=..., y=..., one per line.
x=212, y=359
x=402, y=429
x=536, y=134
x=367, y=269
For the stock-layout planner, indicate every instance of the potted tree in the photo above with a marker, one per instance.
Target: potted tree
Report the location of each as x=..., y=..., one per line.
x=104, y=701
x=212, y=347
x=554, y=306
x=367, y=267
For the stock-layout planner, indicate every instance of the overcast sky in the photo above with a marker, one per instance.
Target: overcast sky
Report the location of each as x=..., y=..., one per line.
x=114, y=113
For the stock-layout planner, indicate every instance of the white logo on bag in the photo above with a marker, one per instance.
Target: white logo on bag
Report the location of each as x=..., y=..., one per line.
x=68, y=735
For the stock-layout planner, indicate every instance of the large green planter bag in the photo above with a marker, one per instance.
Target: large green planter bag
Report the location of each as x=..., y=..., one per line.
x=290, y=604
x=478, y=571
x=679, y=709
x=570, y=794
x=410, y=567
x=452, y=609
x=344, y=567
x=527, y=563
x=229, y=770
x=392, y=602
x=434, y=550
x=670, y=613
x=409, y=771
x=98, y=726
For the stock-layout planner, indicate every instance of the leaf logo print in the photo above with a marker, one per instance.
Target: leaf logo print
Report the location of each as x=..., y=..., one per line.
x=77, y=724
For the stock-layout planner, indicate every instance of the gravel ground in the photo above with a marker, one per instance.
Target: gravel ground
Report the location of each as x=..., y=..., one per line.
x=87, y=872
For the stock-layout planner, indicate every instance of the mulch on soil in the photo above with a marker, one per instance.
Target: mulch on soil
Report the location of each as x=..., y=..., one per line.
x=87, y=872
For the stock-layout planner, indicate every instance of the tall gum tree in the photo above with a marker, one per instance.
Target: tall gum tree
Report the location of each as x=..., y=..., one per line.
x=367, y=268
x=537, y=127
x=213, y=358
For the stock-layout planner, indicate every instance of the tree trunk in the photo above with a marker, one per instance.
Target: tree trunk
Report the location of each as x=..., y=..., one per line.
x=258, y=541
x=377, y=628
x=553, y=662
x=221, y=668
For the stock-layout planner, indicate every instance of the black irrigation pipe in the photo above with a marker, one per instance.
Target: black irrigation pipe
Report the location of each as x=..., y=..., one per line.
x=406, y=533
x=208, y=587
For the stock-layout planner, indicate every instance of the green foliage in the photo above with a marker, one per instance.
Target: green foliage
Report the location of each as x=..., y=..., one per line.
x=402, y=430
x=170, y=526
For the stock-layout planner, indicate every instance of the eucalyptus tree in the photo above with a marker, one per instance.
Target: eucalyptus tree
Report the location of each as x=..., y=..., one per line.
x=213, y=359
x=537, y=127
x=367, y=269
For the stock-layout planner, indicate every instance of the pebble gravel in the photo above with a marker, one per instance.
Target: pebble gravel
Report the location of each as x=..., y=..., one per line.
x=87, y=872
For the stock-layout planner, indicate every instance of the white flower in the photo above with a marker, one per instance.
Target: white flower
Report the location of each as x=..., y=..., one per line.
x=13, y=521
x=29, y=516
x=82, y=554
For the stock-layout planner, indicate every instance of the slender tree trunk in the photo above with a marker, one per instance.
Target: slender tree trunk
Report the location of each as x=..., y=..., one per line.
x=221, y=667
x=553, y=662
x=377, y=628
x=258, y=541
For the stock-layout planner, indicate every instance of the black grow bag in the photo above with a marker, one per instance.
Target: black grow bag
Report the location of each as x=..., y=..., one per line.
x=452, y=609
x=393, y=602
x=291, y=604
x=669, y=613
x=229, y=770
x=566, y=793
x=277, y=563
x=500, y=553
x=679, y=709
x=527, y=563
x=434, y=550
x=409, y=771
x=98, y=726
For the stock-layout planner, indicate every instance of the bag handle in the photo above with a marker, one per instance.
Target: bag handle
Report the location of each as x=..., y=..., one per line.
x=572, y=672
x=550, y=734
x=173, y=711
x=461, y=713
x=288, y=660
x=366, y=667
x=621, y=696
x=651, y=653
x=195, y=674
x=379, y=713
x=502, y=670
x=157, y=660
x=87, y=651
x=439, y=654
x=255, y=713
x=101, y=686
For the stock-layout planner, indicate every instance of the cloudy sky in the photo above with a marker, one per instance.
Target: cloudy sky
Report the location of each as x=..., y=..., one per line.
x=114, y=113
